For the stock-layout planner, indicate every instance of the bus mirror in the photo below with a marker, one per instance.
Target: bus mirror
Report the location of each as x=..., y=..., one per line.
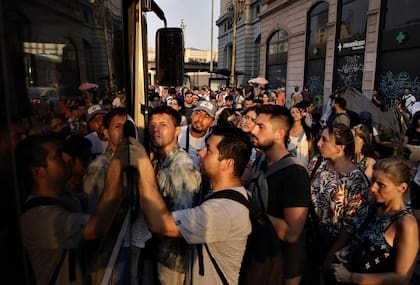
x=170, y=56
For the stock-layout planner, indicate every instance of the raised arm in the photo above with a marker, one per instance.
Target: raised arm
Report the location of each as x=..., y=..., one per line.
x=159, y=219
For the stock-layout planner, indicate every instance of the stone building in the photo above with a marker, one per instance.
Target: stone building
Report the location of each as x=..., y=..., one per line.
x=325, y=45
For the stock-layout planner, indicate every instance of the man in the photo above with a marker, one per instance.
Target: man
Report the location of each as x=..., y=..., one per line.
x=222, y=224
x=339, y=115
x=192, y=137
x=407, y=100
x=249, y=102
x=229, y=102
x=188, y=104
x=52, y=229
x=95, y=120
x=288, y=188
x=178, y=183
x=295, y=97
x=94, y=179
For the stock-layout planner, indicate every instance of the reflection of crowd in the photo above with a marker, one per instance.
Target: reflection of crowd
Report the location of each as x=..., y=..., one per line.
x=324, y=184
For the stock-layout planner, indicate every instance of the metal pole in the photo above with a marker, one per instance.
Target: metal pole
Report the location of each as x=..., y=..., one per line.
x=211, y=38
x=232, y=70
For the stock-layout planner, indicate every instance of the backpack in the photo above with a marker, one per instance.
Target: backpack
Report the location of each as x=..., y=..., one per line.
x=263, y=259
x=258, y=184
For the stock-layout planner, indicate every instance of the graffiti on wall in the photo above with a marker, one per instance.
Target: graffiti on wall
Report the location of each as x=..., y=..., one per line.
x=316, y=87
x=351, y=71
x=391, y=86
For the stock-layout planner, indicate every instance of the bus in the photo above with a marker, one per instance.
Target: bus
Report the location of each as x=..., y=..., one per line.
x=49, y=49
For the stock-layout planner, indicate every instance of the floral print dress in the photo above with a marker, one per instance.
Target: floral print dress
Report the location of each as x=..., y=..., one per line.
x=338, y=199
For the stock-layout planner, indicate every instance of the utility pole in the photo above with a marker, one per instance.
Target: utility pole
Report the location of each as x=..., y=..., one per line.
x=211, y=38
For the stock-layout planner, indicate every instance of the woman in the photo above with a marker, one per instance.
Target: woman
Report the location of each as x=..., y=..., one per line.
x=176, y=104
x=300, y=143
x=364, y=155
x=338, y=190
x=412, y=136
x=228, y=117
x=385, y=241
x=249, y=117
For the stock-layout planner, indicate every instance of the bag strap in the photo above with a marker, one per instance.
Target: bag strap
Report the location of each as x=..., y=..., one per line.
x=57, y=268
x=286, y=161
x=311, y=207
x=260, y=177
x=235, y=196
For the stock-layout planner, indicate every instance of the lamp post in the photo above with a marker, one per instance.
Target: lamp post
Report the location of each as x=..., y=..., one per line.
x=236, y=10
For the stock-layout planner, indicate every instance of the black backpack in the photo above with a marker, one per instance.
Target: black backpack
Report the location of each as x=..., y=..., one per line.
x=263, y=259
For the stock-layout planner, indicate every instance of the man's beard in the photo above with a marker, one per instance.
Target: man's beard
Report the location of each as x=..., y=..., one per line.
x=195, y=130
x=264, y=147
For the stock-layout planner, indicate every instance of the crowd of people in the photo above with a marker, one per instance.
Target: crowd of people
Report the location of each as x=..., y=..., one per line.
x=342, y=210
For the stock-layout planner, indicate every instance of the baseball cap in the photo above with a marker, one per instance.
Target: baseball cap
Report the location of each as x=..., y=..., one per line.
x=93, y=110
x=207, y=107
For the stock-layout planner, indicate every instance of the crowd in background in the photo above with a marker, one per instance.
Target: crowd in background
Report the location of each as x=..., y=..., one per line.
x=359, y=195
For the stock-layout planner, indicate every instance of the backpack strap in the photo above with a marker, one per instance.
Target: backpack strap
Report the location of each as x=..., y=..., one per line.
x=223, y=194
x=258, y=184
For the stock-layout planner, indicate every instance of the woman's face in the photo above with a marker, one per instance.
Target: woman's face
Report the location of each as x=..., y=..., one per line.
x=384, y=189
x=296, y=114
x=248, y=121
x=327, y=146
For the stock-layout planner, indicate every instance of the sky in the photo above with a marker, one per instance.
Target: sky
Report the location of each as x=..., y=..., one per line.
x=197, y=18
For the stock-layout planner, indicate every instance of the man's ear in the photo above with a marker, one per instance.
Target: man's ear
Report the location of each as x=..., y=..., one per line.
x=177, y=131
x=228, y=163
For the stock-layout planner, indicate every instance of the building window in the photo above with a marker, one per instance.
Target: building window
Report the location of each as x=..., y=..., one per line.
x=350, y=46
x=277, y=47
x=398, y=49
x=228, y=57
x=316, y=45
x=257, y=50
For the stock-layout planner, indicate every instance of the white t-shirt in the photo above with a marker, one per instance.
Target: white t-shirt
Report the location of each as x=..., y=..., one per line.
x=299, y=146
x=195, y=144
x=224, y=225
x=98, y=146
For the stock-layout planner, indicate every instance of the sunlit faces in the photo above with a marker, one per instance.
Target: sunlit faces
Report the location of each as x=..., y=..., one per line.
x=384, y=189
x=326, y=145
x=296, y=114
x=209, y=157
x=163, y=131
x=201, y=121
x=263, y=133
x=115, y=131
x=248, y=121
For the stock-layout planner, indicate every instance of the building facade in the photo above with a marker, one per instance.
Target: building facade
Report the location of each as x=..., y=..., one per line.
x=325, y=45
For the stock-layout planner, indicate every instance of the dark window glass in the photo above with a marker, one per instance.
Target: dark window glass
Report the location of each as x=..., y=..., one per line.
x=315, y=52
x=353, y=19
x=350, y=47
x=398, y=49
x=277, y=47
